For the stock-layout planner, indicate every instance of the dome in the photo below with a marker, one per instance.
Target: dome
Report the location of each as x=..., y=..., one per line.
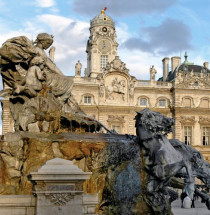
x=102, y=19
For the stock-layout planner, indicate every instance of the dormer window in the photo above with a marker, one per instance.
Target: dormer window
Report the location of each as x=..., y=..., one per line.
x=87, y=99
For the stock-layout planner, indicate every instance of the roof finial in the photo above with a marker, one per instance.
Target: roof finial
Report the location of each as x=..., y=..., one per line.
x=103, y=10
x=185, y=56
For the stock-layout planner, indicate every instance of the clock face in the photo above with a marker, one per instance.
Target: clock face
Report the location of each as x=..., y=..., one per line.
x=104, y=46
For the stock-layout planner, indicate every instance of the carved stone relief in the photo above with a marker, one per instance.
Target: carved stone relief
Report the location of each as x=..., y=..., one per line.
x=115, y=82
x=116, y=118
x=116, y=65
x=187, y=119
x=59, y=199
x=192, y=80
x=116, y=87
x=204, y=120
x=101, y=34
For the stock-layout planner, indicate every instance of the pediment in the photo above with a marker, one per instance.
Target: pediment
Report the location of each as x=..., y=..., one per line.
x=204, y=120
x=116, y=84
x=187, y=119
x=116, y=118
x=116, y=67
x=193, y=83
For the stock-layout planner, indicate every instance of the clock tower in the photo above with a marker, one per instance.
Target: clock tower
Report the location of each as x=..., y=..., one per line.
x=102, y=45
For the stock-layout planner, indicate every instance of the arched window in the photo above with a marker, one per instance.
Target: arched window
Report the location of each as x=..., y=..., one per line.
x=162, y=103
x=143, y=102
x=87, y=99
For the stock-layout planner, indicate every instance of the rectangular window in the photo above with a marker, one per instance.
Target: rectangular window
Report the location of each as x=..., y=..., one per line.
x=205, y=136
x=143, y=102
x=87, y=99
x=162, y=103
x=104, y=61
x=188, y=135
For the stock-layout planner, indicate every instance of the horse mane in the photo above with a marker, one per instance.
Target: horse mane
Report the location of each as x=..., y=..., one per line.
x=154, y=122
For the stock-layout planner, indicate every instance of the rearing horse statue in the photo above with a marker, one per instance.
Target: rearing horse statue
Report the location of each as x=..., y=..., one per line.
x=164, y=159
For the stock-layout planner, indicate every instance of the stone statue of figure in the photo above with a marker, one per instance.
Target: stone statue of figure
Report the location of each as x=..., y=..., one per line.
x=16, y=55
x=78, y=68
x=22, y=50
x=33, y=77
x=85, y=73
x=152, y=73
x=43, y=42
x=179, y=77
x=101, y=89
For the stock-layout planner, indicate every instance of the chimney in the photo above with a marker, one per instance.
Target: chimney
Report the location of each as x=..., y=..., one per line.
x=206, y=65
x=165, y=68
x=175, y=62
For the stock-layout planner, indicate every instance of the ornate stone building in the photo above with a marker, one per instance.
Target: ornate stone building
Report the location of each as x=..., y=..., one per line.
x=111, y=95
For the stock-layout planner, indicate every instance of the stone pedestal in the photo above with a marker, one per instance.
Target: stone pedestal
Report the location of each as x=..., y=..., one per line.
x=58, y=187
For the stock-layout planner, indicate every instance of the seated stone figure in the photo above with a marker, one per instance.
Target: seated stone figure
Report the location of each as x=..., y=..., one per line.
x=39, y=94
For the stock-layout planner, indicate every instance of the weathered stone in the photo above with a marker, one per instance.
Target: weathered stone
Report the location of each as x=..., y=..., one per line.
x=33, y=127
x=38, y=148
x=45, y=126
x=13, y=173
x=82, y=164
x=56, y=150
x=71, y=150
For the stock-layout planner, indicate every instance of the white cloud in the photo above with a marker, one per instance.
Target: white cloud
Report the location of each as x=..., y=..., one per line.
x=122, y=33
x=139, y=63
x=44, y=3
x=6, y=36
x=70, y=38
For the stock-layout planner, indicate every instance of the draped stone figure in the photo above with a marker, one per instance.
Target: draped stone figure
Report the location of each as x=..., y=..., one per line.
x=34, y=85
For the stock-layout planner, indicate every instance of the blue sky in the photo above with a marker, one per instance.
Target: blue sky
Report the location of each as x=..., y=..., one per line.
x=147, y=31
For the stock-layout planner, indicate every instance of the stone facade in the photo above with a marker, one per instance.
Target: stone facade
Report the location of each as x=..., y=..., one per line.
x=111, y=95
